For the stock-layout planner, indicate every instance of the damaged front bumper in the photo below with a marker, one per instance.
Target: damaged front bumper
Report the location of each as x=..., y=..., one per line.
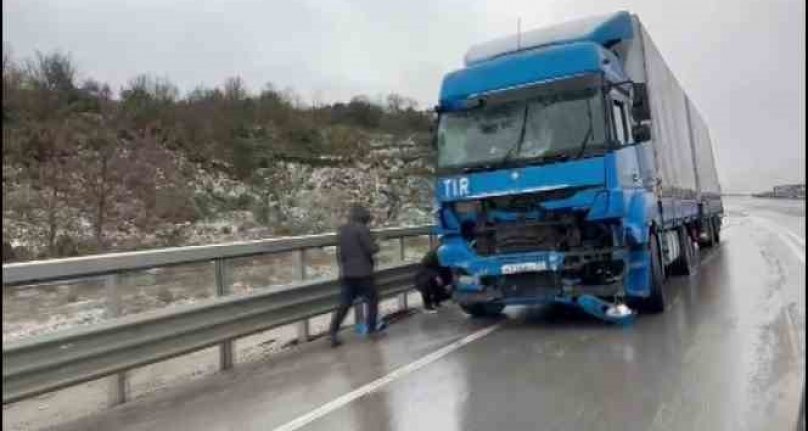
x=549, y=273
x=581, y=278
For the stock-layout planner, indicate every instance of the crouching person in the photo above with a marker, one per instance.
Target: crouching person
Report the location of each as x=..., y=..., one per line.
x=433, y=281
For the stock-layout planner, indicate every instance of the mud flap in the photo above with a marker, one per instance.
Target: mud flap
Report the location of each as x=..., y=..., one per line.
x=607, y=311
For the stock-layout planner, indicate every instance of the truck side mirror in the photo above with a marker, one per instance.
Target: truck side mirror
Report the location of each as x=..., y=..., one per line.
x=641, y=133
x=640, y=109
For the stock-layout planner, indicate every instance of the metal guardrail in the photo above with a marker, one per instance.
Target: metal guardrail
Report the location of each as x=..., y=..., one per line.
x=53, y=361
x=85, y=266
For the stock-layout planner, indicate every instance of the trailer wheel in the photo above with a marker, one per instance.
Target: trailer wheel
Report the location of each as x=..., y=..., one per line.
x=708, y=228
x=716, y=223
x=655, y=303
x=687, y=262
x=482, y=309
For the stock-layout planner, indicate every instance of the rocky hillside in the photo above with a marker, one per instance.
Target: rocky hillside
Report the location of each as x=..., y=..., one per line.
x=86, y=171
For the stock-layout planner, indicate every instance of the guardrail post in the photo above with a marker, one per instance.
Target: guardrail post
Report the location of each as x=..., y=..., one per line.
x=402, y=301
x=402, y=298
x=118, y=389
x=222, y=288
x=301, y=264
x=118, y=382
x=303, y=334
x=113, y=296
x=401, y=250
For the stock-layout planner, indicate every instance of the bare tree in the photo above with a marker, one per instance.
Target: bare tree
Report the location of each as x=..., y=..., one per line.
x=54, y=72
x=234, y=89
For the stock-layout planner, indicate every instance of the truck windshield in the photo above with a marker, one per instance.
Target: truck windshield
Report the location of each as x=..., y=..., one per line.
x=567, y=125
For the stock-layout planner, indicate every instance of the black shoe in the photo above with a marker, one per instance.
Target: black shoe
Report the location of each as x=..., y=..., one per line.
x=335, y=342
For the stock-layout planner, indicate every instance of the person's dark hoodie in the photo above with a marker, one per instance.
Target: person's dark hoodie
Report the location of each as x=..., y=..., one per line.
x=431, y=268
x=355, y=246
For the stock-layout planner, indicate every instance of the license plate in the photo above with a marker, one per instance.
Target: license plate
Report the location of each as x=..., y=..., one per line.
x=514, y=268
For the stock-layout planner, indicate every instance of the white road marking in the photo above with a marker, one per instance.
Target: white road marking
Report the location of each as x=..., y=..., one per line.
x=382, y=381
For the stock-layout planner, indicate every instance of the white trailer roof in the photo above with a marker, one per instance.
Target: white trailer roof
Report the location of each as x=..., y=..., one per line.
x=591, y=28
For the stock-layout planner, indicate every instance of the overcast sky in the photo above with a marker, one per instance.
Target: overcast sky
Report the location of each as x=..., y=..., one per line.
x=741, y=61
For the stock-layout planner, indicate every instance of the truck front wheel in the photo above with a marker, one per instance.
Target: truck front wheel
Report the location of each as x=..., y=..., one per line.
x=655, y=303
x=482, y=309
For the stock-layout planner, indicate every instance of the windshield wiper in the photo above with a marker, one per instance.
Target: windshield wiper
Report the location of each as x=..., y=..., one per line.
x=559, y=157
x=585, y=141
x=518, y=144
x=588, y=131
x=476, y=168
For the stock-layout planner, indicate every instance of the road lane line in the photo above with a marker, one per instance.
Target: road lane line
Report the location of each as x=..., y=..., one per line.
x=382, y=381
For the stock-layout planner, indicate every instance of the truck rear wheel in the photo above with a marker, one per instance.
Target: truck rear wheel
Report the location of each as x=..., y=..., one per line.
x=708, y=228
x=482, y=309
x=687, y=261
x=655, y=303
x=716, y=230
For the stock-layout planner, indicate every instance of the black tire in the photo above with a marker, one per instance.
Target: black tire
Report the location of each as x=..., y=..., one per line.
x=707, y=226
x=716, y=230
x=687, y=262
x=487, y=309
x=656, y=302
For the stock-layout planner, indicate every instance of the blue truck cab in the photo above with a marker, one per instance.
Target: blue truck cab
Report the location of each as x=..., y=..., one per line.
x=571, y=168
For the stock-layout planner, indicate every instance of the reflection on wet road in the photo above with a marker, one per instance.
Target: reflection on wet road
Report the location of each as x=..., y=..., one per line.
x=729, y=354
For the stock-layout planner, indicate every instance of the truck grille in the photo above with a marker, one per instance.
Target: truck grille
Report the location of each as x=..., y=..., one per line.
x=518, y=238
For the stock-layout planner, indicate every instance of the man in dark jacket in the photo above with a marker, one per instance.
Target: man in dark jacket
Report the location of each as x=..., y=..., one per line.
x=355, y=250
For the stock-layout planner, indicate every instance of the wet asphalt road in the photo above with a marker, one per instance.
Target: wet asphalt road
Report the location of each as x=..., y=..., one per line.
x=728, y=355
